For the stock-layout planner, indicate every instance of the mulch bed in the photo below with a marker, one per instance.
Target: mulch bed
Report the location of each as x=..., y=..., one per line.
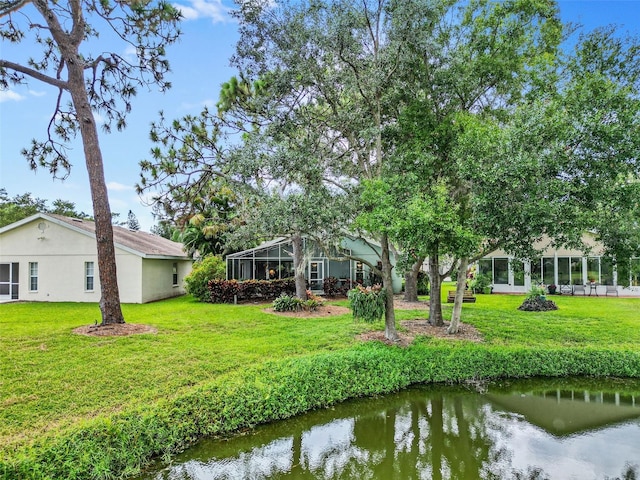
x=422, y=327
x=116, y=330
x=321, y=311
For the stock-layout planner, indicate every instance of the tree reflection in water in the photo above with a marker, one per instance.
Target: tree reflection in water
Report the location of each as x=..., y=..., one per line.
x=434, y=433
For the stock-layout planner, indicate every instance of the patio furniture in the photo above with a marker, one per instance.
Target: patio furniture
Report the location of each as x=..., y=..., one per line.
x=593, y=288
x=611, y=289
x=468, y=297
x=566, y=288
x=578, y=289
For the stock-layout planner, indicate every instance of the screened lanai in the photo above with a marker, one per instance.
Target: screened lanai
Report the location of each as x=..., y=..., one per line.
x=565, y=271
x=273, y=260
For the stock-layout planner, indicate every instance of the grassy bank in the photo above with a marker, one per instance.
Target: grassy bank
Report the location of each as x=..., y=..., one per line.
x=82, y=407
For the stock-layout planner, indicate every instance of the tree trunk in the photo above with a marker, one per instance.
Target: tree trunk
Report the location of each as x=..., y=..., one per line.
x=435, y=300
x=390, y=332
x=110, y=295
x=298, y=265
x=460, y=287
x=411, y=281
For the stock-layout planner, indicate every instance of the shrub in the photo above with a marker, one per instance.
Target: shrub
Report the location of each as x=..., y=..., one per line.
x=286, y=303
x=331, y=286
x=535, y=292
x=122, y=443
x=223, y=291
x=334, y=287
x=480, y=282
x=367, y=303
x=311, y=305
x=290, y=303
x=209, y=268
x=423, y=283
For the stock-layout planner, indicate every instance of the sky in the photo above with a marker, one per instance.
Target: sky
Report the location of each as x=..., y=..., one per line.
x=200, y=65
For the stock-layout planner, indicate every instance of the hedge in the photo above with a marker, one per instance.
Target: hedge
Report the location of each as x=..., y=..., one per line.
x=208, y=268
x=119, y=445
x=228, y=291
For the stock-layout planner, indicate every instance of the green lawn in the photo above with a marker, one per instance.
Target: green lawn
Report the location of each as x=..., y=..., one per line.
x=51, y=378
x=608, y=322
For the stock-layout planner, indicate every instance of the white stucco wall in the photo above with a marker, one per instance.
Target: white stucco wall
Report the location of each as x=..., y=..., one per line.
x=61, y=254
x=157, y=278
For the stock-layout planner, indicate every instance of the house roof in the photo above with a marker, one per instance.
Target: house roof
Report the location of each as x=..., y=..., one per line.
x=285, y=240
x=262, y=246
x=143, y=244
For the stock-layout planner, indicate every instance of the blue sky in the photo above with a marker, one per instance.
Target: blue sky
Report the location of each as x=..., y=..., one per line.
x=200, y=64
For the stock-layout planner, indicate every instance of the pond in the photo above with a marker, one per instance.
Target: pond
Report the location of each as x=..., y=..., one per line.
x=534, y=429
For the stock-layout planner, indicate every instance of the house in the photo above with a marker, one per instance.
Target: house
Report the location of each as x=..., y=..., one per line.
x=568, y=411
x=563, y=267
x=52, y=258
x=274, y=260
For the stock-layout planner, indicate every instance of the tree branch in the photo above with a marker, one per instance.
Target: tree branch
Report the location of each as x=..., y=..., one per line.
x=34, y=74
x=8, y=7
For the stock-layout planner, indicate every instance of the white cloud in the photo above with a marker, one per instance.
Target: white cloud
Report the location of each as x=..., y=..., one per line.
x=118, y=187
x=10, y=95
x=212, y=9
x=130, y=53
x=36, y=93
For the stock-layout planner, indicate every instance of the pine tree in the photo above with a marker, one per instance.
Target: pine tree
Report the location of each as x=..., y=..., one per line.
x=132, y=222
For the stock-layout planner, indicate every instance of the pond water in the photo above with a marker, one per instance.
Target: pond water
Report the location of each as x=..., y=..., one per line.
x=535, y=429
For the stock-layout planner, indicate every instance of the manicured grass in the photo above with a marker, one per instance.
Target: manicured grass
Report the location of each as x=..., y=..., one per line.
x=579, y=321
x=99, y=407
x=52, y=377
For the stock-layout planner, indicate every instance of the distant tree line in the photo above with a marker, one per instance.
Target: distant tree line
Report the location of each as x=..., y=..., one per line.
x=14, y=209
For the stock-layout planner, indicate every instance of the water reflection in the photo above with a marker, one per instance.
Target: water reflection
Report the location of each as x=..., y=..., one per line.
x=529, y=430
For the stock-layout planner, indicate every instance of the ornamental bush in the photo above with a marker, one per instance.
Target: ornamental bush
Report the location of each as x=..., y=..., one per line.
x=535, y=292
x=423, y=283
x=224, y=291
x=334, y=287
x=367, y=303
x=209, y=268
x=287, y=303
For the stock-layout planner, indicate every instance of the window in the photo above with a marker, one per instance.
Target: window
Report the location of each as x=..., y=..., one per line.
x=576, y=271
x=536, y=270
x=501, y=271
x=635, y=272
x=175, y=274
x=485, y=267
x=593, y=269
x=563, y=271
x=33, y=276
x=88, y=276
x=518, y=272
x=606, y=271
x=359, y=272
x=548, y=271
